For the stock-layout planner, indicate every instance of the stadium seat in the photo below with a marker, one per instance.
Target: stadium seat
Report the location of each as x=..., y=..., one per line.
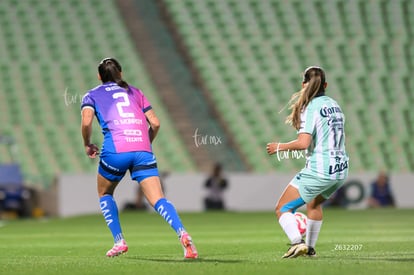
x=249, y=54
x=53, y=50
x=350, y=39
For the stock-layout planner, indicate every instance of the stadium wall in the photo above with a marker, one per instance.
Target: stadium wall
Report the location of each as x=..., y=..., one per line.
x=76, y=194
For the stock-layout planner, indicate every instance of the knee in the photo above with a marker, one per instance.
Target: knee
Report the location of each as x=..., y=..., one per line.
x=278, y=211
x=290, y=206
x=105, y=186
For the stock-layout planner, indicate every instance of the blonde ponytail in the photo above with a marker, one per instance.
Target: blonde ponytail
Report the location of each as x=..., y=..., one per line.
x=314, y=77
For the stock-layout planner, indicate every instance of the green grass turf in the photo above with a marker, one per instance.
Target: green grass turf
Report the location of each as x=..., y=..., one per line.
x=351, y=242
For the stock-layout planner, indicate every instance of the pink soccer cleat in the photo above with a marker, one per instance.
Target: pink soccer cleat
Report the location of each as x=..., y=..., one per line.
x=119, y=248
x=190, y=251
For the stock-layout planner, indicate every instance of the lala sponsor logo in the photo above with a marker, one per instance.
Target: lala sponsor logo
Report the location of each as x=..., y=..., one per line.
x=338, y=167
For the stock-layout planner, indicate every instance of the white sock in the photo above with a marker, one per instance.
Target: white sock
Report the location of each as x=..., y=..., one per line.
x=288, y=223
x=312, y=232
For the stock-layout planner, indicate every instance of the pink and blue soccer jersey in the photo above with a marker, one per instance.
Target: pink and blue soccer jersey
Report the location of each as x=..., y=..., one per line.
x=120, y=113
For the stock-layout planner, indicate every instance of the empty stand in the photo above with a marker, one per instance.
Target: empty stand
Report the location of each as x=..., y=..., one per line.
x=260, y=48
x=49, y=55
x=250, y=54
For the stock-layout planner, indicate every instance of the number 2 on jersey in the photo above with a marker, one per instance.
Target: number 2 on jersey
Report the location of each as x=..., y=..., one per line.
x=121, y=104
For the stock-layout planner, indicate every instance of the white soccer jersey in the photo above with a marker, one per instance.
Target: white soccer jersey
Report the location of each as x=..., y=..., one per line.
x=325, y=121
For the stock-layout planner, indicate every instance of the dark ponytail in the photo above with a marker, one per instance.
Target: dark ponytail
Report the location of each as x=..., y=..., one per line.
x=110, y=71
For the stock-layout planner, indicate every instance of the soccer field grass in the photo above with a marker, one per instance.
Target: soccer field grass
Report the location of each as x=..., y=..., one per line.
x=351, y=242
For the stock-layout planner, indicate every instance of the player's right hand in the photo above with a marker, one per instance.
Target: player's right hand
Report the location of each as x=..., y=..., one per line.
x=92, y=150
x=272, y=147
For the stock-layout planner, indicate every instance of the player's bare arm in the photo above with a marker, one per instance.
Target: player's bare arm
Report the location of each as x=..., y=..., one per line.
x=86, y=127
x=154, y=124
x=301, y=143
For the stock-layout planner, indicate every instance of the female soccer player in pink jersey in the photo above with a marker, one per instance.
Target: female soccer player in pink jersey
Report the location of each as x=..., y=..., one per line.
x=129, y=125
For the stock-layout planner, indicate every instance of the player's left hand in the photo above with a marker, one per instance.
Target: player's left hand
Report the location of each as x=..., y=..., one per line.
x=272, y=147
x=92, y=150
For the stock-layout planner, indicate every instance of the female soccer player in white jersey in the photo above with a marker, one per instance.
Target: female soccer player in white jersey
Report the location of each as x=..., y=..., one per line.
x=129, y=126
x=319, y=122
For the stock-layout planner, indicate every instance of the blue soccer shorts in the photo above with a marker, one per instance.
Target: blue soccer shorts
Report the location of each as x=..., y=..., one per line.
x=141, y=165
